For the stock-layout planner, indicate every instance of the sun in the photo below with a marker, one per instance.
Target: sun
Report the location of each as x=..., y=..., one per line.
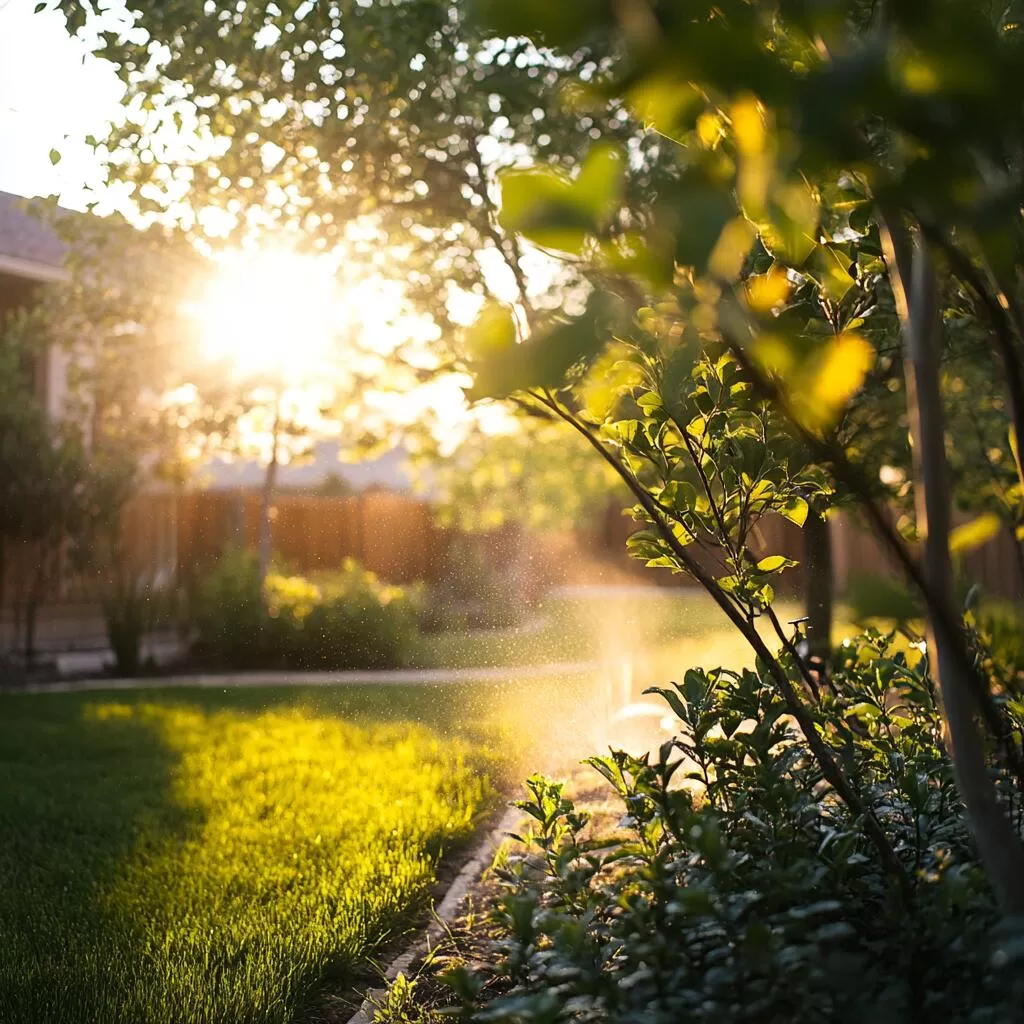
x=308, y=326
x=272, y=313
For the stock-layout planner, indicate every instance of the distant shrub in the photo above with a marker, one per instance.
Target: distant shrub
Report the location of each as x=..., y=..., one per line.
x=346, y=619
x=131, y=607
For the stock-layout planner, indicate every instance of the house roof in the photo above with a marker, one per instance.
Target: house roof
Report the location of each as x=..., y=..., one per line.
x=29, y=248
x=389, y=471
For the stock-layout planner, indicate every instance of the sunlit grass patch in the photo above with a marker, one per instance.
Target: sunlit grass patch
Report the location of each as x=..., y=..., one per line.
x=171, y=861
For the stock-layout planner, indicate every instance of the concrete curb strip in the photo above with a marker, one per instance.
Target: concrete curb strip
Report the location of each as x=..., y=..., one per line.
x=446, y=910
x=390, y=677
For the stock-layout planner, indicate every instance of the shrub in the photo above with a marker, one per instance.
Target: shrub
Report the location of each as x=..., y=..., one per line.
x=738, y=888
x=347, y=619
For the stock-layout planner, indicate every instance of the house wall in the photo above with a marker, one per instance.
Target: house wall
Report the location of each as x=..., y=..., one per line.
x=49, y=370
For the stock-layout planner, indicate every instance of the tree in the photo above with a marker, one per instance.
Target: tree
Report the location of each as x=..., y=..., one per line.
x=116, y=330
x=769, y=106
x=377, y=127
x=43, y=477
x=526, y=472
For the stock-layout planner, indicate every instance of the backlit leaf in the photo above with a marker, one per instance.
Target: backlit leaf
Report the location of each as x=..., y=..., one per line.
x=775, y=563
x=974, y=534
x=730, y=251
x=795, y=510
x=766, y=291
x=599, y=186
x=831, y=266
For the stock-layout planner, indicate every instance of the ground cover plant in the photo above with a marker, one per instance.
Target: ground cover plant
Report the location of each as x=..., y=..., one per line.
x=195, y=856
x=673, y=912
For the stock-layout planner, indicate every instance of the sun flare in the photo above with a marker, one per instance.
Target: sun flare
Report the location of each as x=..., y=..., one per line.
x=272, y=312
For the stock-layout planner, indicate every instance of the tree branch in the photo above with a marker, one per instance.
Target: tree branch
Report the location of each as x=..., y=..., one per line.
x=1002, y=326
x=830, y=769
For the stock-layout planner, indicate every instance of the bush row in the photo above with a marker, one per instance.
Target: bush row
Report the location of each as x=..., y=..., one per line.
x=346, y=620
x=737, y=887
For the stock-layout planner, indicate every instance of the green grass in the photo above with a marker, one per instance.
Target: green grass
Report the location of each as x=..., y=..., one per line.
x=608, y=626
x=195, y=856
x=186, y=855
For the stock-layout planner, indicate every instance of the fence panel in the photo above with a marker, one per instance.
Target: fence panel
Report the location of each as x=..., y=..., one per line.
x=168, y=536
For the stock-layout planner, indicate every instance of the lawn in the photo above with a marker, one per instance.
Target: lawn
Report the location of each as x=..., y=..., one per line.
x=172, y=856
x=590, y=624
x=197, y=856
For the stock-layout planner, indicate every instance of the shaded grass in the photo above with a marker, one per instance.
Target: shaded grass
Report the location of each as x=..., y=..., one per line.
x=195, y=856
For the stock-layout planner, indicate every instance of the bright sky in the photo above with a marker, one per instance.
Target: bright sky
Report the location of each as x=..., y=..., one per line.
x=54, y=93
x=50, y=88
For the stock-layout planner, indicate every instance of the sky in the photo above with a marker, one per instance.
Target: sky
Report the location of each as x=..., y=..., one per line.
x=53, y=93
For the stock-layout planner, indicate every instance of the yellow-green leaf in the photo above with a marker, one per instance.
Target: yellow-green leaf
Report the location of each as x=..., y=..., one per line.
x=774, y=563
x=492, y=332
x=729, y=252
x=831, y=268
x=795, y=510
x=838, y=374
x=974, y=534
x=599, y=187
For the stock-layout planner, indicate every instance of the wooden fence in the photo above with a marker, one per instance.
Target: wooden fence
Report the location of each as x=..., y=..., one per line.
x=392, y=535
x=170, y=539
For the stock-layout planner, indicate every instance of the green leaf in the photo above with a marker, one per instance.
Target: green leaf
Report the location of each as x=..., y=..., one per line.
x=665, y=102
x=543, y=360
x=820, y=378
x=492, y=332
x=703, y=213
x=864, y=710
x=537, y=202
x=791, y=231
x=831, y=266
x=775, y=563
x=795, y=510
x=974, y=534
x=599, y=187
x=556, y=212
x=54, y=157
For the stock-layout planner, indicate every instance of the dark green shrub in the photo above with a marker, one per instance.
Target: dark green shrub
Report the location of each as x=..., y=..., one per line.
x=226, y=614
x=347, y=619
x=357, y=622
x=131, y=607
x=738, y=888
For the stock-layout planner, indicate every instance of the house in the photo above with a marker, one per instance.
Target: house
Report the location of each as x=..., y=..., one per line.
x=31, y=254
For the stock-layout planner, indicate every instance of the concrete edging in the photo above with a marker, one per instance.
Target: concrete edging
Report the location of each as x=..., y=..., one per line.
x=445, y=911
x=381, y=677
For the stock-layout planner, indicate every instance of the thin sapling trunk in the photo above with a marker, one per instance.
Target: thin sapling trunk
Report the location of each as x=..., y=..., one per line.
x=999, y=845
x=266, y=545
x=819, y=586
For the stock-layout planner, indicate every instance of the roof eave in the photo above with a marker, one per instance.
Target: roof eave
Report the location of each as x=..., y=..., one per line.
x=31, y=270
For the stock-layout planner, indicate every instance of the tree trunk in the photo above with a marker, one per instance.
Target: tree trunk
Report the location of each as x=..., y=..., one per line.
x=32, y=603
x=999, y=845
x=266, y=546
x=819, y=588
x=3, y=580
